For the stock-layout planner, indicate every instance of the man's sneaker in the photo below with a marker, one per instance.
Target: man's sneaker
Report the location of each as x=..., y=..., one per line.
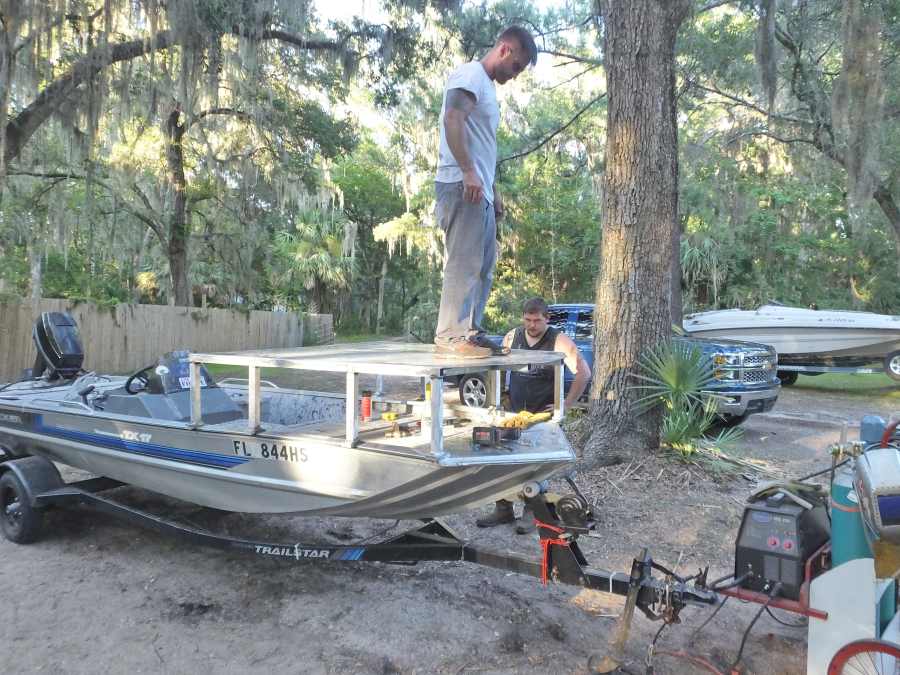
x=501, y=515
x=485, y=341
x=463, y=349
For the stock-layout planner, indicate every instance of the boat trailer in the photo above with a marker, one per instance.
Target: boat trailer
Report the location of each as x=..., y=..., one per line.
x=560, y=521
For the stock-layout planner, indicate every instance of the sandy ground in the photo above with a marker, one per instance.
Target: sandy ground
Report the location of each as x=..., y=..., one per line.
x=96, y=595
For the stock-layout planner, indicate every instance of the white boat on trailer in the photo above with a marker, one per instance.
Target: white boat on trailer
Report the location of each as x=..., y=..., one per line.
x=257, y=448
x=810, y=340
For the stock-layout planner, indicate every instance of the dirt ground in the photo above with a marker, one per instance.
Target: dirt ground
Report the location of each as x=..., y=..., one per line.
x=99, y=596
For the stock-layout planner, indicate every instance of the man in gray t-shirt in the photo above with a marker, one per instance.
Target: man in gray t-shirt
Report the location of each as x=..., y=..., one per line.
x=467, y=206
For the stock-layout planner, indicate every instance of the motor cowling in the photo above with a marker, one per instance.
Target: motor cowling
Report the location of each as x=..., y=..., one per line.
x=58, y=343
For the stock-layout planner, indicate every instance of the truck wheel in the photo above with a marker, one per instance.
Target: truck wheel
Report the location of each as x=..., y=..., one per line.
x=731, y=421
x=787, y=377
x=892, y=365
x=20, y=522
x=473, y=391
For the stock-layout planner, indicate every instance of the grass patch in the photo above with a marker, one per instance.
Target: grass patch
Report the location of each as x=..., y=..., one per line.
x=868, y=385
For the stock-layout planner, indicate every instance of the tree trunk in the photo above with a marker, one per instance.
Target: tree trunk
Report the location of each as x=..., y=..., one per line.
x=176, y=248
x=677, y=301
x=379, y=317
x=640, y=210
x=37, y=268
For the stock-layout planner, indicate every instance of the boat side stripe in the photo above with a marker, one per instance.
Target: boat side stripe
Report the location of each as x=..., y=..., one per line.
x=210, y=459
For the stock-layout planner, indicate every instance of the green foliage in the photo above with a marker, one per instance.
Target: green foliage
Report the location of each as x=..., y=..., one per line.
x=674, y=374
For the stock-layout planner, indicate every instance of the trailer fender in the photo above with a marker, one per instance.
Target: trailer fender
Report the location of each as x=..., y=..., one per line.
x=36, y=474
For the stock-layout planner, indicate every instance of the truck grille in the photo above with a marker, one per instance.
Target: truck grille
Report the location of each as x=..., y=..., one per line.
x=755, y=361
x=758, y=367
x=756, y=376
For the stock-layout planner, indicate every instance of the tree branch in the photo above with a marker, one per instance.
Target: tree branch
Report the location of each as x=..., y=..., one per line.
x=20, y=129
x=555, y=133
x=32, y=36
x=572, y=58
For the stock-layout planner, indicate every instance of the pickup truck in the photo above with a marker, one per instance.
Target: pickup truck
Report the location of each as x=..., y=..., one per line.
x=745, y=379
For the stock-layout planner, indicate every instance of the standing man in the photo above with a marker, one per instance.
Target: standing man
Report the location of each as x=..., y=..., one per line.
x=533, y=389
x=467, y=206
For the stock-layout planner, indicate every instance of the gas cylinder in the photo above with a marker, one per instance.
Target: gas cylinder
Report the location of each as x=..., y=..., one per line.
x=848, y=537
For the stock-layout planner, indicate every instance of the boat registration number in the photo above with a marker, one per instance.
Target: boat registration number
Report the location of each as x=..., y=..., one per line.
x=283, y=452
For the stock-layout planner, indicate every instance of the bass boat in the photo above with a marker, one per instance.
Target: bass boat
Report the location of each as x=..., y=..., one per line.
x=250, y=446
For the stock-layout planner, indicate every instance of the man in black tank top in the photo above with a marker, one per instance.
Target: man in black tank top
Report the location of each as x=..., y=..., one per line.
x=533, y=390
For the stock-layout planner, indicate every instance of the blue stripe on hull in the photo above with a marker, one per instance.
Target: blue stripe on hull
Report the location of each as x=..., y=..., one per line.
x=208, y=459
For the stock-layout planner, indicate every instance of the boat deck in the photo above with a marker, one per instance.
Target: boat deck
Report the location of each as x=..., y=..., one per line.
x=384, y=359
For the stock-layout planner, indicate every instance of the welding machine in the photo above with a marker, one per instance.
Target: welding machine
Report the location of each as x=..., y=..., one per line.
x=779, y=532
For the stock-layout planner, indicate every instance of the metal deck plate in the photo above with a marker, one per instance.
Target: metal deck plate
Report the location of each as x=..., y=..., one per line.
x=378, y=358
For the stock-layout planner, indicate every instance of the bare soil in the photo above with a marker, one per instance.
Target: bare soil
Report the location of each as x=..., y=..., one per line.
x=96, y=595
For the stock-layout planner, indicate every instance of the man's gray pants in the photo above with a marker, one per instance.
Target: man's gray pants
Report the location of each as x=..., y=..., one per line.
x=470, y=237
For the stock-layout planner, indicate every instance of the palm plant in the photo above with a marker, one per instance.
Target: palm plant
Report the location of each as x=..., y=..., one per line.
x=675, y=375
x=317, y=259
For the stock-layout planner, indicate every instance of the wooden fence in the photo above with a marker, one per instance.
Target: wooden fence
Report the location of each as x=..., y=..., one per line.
x=127, y=337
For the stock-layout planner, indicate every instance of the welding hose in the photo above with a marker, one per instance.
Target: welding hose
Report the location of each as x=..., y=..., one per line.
x=714, y=586
x=888, y=432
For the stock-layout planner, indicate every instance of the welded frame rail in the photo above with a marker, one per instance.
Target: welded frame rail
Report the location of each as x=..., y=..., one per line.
x=434, y=372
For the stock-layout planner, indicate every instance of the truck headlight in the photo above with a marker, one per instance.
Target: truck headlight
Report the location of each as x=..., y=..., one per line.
x=720, y=359
x=721, y=374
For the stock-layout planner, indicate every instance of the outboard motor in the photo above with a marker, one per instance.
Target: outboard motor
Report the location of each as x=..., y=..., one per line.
x=59, y=350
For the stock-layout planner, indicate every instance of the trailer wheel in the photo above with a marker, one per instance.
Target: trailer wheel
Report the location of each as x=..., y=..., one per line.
x=892, y=365
x=787, y=377
x=866, y=656
x=20, y=522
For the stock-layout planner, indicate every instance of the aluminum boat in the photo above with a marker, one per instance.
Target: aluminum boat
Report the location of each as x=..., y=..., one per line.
x=250, y=446
x=807, y=337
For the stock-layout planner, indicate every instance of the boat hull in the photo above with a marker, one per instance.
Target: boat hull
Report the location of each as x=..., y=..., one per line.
x=305, y=474
x=805, y=337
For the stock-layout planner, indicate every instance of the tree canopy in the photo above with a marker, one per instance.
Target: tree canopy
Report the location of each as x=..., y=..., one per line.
x=256, y=153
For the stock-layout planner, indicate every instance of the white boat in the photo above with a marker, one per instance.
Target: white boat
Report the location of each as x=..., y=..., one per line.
x=253, y=447
x=809, y=337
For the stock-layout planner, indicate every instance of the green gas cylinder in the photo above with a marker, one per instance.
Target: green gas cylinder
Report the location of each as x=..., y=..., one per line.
x=848, y=536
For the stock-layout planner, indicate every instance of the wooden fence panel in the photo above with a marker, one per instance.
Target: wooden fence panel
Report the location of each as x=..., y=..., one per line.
x=127, y=337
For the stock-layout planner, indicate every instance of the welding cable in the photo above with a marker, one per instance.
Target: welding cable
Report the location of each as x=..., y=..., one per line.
x=799, y=624
x=693, y=636
x=692, y=658
x=772, y=594
x=736, y=582
x=819, y=473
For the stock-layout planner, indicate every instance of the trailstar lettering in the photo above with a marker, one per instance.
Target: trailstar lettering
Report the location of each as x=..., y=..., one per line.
x=293, y=551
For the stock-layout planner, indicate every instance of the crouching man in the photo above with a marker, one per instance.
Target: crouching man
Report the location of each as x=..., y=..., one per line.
x=533, y=390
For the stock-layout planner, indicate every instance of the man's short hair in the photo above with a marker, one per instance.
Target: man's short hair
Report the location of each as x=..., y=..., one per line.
x=523, y=37
x=536, y=306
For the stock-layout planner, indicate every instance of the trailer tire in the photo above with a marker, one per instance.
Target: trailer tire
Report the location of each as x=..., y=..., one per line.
x=787, y=377
x=20, y=522
x=892, y=365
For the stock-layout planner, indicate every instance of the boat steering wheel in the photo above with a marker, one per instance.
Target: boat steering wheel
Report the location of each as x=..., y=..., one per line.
x=140, y=376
